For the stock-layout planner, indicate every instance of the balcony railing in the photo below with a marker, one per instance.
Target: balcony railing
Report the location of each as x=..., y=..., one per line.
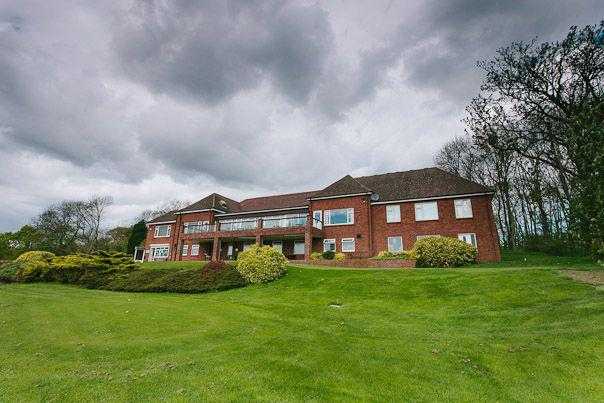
x=244, y=225
x=287, y=222
x=252, y=224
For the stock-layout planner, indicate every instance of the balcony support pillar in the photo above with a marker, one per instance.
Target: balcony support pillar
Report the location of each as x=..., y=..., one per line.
x=258, y=239
x=216, y=249
x=307, y=240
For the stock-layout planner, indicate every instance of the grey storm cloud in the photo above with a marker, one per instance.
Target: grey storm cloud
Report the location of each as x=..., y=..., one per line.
x=443, y=44
x=211, y=51
x=147, y=99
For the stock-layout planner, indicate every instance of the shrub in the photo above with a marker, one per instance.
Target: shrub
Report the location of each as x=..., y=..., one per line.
x=443, y=252
x=339, y=256
x=9, y=270
x=212, y=277
x=555, y=245
x=328, y=254
x=35, y=256
x=316, y=256
x=261, y=264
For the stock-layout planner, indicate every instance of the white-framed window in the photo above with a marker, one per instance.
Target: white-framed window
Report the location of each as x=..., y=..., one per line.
x=469, y=238
x=395, y=244
x=348, y=245
x=195, y=249
x=185, y=249
x=299, y=248
x=329, y=244
x=342, y=216
x=160, y=252
x=230, y=250
x=162, y=231
x=426, y=211
x=393, y=213
x=463, y=208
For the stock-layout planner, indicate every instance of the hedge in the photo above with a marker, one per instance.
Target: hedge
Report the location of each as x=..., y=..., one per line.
x=117, y=272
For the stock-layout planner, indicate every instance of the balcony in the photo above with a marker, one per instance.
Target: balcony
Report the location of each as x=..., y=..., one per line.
x=293, y=224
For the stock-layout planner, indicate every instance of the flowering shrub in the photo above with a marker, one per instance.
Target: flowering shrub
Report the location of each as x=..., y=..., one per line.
x=261, y=264
x=35, y=256
x=440, y=251
x=339, y=256
x=316, y=256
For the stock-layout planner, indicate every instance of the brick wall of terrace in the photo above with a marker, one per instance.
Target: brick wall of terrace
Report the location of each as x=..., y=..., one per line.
x=481, y=224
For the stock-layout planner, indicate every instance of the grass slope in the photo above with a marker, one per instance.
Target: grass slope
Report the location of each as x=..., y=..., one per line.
x=478, y=334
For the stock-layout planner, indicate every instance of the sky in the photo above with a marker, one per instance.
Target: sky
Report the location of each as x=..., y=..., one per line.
x=149, y=101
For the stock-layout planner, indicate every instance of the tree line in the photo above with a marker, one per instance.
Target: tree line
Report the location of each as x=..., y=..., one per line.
x=79, y=226
x=535, y=134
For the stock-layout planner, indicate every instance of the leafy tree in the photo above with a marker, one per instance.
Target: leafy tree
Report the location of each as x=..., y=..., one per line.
x=137, y=235
x=541, y=104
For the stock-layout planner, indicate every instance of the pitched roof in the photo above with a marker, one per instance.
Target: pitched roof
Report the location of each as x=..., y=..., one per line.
x=345, y=186
x=276, y=201
x=170, y=216
x=213, y=201
x=420, y=184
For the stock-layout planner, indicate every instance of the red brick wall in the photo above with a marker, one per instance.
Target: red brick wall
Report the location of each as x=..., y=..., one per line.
x=151, y=239
x=481, y=224
x=359, y=230
x=181, y=238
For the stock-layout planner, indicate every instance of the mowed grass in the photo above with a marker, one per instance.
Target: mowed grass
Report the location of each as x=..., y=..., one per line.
x=475, y=334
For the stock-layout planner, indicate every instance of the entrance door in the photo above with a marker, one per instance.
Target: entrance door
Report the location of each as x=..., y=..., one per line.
x=278, y=245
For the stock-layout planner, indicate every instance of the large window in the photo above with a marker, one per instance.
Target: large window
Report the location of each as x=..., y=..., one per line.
x=395, y=244
x=298, y=248
x=329, y=244
x=162, y=231
x=348, y=245
x=195, y=249
x=463, y=208
x=468, y=238
x=426, y=211
x=160, y=252
x=341, y=216
x=393, y=213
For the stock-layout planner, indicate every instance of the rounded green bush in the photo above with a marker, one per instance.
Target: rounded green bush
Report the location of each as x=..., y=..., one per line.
x=440, y=251
x=261, y=264
x=35, y=256
x=329, y=254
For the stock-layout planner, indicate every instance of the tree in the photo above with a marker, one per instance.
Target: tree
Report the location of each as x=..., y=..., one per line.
x=171, y=205
x=540, y=106
x=138, y=234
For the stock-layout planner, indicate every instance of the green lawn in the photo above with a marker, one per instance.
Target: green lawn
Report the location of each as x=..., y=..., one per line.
x=475, y=334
